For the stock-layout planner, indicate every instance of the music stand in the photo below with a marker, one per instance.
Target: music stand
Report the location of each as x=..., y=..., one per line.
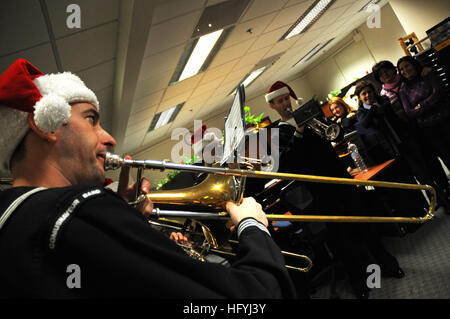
x=234, y=125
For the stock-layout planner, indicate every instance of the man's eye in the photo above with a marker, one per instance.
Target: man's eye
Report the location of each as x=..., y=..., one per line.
x=91, y=119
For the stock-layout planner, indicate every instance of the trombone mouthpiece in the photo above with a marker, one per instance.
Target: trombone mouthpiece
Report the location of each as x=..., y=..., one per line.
x=113, y=161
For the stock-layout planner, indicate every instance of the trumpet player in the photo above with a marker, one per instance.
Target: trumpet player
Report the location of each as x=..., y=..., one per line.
x=62, y=235
x=304, y=152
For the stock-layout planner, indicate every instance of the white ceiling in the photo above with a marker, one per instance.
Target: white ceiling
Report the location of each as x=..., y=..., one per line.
x=127, y=52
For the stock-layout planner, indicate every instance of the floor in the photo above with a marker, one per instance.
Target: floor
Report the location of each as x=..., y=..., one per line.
x=424, y=256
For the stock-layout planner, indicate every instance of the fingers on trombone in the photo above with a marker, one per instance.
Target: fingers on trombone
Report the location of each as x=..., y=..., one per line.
x=179, y=238
x=145, y=185
x=124, y=178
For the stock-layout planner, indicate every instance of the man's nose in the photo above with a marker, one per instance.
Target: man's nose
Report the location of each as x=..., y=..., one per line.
x=107, y=139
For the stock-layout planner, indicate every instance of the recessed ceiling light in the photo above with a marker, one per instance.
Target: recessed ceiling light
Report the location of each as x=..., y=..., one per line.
x=199, y=54
x=251, y=77
x=165, y=117
x=313, y=52
x=307, y=19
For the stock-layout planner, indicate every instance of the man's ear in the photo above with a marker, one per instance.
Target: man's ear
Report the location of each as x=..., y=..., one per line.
x=271, y=105
x=51, y=137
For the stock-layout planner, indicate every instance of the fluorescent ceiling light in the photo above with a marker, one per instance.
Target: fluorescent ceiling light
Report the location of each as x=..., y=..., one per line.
x=167, y=116
x=310, y=16
x=313, y=52
x=199, y=54
x=251, y=77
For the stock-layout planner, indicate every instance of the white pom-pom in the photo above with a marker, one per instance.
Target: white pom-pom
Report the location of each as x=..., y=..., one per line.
x=51, y=112
x=299, y=101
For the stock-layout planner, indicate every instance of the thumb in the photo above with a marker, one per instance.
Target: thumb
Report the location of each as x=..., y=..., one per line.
x=124, y=178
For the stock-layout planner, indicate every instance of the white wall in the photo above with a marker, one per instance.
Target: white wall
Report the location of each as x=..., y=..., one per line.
x=360, y=51
x=420, y=15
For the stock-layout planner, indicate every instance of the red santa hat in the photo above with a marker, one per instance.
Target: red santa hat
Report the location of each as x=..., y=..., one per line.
x=201, y=138
x=24, y=90
x=280, y=88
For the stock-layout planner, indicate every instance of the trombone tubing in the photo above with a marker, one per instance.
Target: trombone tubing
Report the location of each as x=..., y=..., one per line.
x=114, y=162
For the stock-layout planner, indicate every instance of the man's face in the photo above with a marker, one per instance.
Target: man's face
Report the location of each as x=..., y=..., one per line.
x=82, y=146
x=282, y=104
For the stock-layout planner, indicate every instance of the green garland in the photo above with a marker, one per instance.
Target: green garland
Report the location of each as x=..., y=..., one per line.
x=172, y=174
x=251, y=119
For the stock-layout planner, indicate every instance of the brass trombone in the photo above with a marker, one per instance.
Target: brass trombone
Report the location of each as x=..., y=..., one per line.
x=228, y=185
x=225, y=184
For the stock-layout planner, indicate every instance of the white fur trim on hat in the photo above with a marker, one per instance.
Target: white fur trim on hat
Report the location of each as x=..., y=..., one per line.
x=270, y=96
x=51, y=112
x=58, y=91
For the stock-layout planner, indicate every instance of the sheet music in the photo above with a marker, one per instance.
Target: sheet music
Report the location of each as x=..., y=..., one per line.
x=234, y=128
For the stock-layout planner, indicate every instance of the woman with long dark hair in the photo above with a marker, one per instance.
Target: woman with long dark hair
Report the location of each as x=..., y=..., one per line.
x=423, y=163
x=424, y=100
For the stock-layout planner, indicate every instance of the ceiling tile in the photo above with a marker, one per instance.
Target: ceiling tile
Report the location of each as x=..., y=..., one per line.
x=133, y=141
x=268, y=39
x=184, y=119
x=24, y=18
x=40, y=56
x=355, y=6
x=249, y=29
x=165, y=104
x=145, y=115
x=288, y=16
x=329, y=17
x=262, y=7
x=231, y=53
x=155, y=83
x=180, y=28
x=235, y=77
x=100, y=76
x=147, y=101
x=194, y=103
x=160, y=62
x=293, y=2
x=93, y=13
x=174, y=8
x=214, y=73
x=308, y=38
x=251, y=59
x=105, y=99
x=183, y=86
x=88, y=48
x=340, y=3
x=157, y=134
x=141, y=126
x=213, y=2
x=279, y=47
x=211, y=85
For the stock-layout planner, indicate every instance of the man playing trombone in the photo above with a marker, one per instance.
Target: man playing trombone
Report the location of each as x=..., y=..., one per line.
x=58, y=221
